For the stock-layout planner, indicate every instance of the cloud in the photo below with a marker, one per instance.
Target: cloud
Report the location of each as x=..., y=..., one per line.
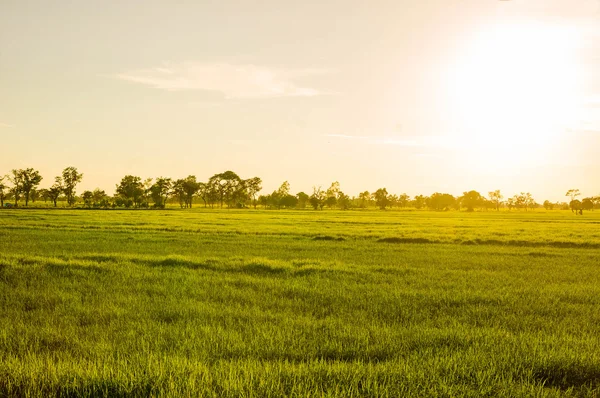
x=5, y=125
x=234, y=81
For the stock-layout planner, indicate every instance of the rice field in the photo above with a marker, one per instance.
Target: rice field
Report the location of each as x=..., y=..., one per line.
x=229, y=303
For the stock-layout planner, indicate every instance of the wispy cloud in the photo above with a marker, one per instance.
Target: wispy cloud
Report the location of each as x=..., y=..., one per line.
x=5, y=125
x=234, y=81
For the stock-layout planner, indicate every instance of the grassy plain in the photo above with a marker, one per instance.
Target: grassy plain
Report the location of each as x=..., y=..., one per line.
x=231, y=303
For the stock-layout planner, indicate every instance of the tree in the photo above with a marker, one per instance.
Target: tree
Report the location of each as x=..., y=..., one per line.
x=131, y=189
x=16, y=178
x=253, y=187
x=288, y=201
x=576, y=206
x=3, y=189
x=303, y=199
x=30, y=180
x=381, y=198
x=496, y=198
x=364, y=197
x=226, y=185
x=88, y=198
x=548, y=205
x=317, y=199
x=331, y=195
x=573, y=193
x=55, y=190
x=587, y=204
x=70, y=178
x=419, y=201
x=523, y=201
x=343, y=201
x=403, y=200
x=471, y=199
x=100, y=198
x=441, y=201
x=178, y=191
x=160, y=190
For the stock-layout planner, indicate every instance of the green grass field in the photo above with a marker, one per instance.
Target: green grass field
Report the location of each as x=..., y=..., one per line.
x=299, y=303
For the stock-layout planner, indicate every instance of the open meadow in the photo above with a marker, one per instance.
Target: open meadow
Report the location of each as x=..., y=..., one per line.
x=257, y=303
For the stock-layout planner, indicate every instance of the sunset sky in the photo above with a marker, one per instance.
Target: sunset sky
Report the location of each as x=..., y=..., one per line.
x=417, y=96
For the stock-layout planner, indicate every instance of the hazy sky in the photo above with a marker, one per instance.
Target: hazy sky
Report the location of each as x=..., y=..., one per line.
x=417, y=95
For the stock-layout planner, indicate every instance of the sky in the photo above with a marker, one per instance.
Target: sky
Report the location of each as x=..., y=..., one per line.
x=418, y=96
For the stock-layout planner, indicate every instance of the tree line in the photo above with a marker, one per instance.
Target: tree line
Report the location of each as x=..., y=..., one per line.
x=228, y=189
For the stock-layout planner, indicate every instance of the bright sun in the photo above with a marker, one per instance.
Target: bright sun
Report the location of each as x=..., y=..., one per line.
x=516, y=85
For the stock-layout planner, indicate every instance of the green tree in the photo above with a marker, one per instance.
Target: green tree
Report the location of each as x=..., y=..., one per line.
x=253, y=187
x=226, y=185
x=403, y=200
x=343, y=201
x=441, y=201
x=364, y=197
x=381, y=198
x=70, y=178
x=303, y=199
x=587, y=204
x=317, y=199
x=496, y=198
x=16, y=178
x=471, y=199
x=548, y=205
x=88, y=198
x=3, y=190
x=419, y=201
x=131, y=189
x=160, y=190
x=100, y=198
x=55, y=190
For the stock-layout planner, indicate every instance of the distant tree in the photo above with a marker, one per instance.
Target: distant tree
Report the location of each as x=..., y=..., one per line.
x=523, y=201
x=441, y=201
x=317, y=199
x=548, y=205
x=573, y=193
x=253, y=187
x=70, y=178
x=190, y=187
x=34, y=195
x=263, y=200
x=343, y=201
x=331, y=195
x=288, y=201
x=381, y=198
x=3, y=190
x=226, y=185
x=31, y=179
x=131, y=190
x=419, y=201
x=100, y=198
x=364, y=197
x=471, y=199
x=576, y=206
x=160, y=191
x=587, y=204
x=496, y=198
x=303, y=199
x=16, y=178
x=178, y=191
x=403, y=200
x=43, y=194
x=55, y=190
x=88, y=198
